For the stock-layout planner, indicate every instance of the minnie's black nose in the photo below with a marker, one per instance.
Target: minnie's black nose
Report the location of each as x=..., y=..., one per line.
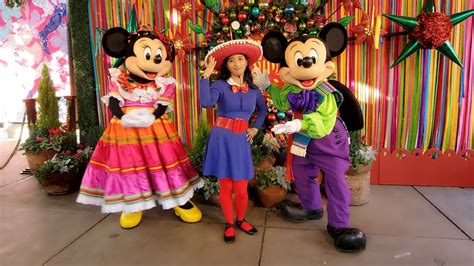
x=157, y=59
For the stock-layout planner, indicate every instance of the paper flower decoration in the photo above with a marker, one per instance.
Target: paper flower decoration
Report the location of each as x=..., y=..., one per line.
x=182, y=44
x=366, y=31
x=350, y=4
x=188, y=10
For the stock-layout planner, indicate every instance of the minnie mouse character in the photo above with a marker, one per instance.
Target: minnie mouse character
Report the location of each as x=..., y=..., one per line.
x=320, y=137
x=140, y=159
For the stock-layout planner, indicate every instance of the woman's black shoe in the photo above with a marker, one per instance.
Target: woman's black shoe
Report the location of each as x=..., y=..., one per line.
x=229, y=239
x=252, y=231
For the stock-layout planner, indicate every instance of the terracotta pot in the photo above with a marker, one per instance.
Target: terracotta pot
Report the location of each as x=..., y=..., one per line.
x=61, y=183
x=265, y=165
x=35, y=160
x=214, y=200
x=359, y=185
x=363, y=168
x=271, y=196
x=252, y=182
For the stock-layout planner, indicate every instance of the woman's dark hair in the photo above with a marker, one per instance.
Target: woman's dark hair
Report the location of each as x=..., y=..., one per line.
x=224, y=73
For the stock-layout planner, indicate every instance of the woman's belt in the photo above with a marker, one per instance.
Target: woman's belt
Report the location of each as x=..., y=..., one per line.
x=236, y=125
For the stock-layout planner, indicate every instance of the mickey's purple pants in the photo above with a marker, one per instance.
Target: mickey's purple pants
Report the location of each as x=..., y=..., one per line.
x=331, y=155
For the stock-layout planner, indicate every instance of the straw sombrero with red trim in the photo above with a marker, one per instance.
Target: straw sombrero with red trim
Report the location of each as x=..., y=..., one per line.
x=249, y=48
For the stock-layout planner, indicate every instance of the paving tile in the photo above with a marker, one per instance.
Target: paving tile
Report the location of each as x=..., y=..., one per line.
x=30, y=236
x=313, y=247
x=456, y=203
x=160, y=242
x=11, y=172
x=392, y=210
x=212, y=213
x=402, y=211
x=28, y=193
x=275, y=220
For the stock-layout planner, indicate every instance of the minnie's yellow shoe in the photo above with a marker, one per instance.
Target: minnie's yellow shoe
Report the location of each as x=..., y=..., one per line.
x=130, y=220
x=192, y=215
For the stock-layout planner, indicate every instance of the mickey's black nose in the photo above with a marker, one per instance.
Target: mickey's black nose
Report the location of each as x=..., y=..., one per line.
x=307, y=62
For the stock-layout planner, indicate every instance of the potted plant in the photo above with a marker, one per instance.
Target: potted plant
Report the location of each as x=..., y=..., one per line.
x=46, y=138
x=261, y=151
x=358, y=175
x=210, y=190
x=271, y=185
x=62, y=173
x=43, y=144
x=196, y=153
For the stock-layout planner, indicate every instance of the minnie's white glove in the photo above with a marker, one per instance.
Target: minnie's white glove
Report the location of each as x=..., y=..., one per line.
x=289, y=127
x=138, y=118
x=260, y=79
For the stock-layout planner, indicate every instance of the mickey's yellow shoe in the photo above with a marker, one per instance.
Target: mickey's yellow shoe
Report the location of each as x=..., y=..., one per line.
x=130, y=220
x=192, y=215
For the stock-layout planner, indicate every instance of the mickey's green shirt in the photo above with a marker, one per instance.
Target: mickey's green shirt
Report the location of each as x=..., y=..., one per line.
x=317, y=124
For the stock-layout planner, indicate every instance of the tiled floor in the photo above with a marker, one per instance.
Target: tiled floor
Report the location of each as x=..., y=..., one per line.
x=404, y=225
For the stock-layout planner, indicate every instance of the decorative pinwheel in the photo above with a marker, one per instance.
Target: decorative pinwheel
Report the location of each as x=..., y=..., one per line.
x=430, y=29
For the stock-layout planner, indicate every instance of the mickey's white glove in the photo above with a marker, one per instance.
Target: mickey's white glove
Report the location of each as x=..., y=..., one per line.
x=289, y=127
x=260, y=79
x=138, y=118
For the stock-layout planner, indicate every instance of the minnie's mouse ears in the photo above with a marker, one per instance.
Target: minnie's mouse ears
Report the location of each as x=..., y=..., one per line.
x=114, y=42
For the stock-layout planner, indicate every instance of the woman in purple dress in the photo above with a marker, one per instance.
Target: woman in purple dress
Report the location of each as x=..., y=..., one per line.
x=228, y=153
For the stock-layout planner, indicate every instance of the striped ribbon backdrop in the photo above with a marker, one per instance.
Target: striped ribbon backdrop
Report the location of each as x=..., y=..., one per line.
x=424, y=102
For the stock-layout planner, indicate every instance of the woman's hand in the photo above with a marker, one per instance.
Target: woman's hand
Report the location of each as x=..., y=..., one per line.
x=210, y=65
x=251, y=132
x=260, y=79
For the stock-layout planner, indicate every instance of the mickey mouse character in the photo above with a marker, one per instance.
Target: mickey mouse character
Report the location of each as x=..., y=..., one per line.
x=320, y=138
x=140, y=159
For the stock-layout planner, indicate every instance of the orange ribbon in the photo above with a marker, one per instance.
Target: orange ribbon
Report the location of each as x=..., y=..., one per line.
x=244, y=88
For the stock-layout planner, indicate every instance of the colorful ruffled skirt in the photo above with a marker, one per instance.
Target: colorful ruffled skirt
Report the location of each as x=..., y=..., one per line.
x=133, y=168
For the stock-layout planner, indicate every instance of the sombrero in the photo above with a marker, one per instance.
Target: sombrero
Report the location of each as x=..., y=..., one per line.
x=249, y=48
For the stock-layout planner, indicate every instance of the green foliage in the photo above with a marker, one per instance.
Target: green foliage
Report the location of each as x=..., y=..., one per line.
x=360, y=153
x=209, y=3
x=260, y=150
x=211, y=186
x=67, y=162
x=346, y=20
x=272, y=176
x=13, y=3
x=41, y=139
x=196, y=154
x=83, y=72
x=46, y=134
x=195, y=27
x=48, y=104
